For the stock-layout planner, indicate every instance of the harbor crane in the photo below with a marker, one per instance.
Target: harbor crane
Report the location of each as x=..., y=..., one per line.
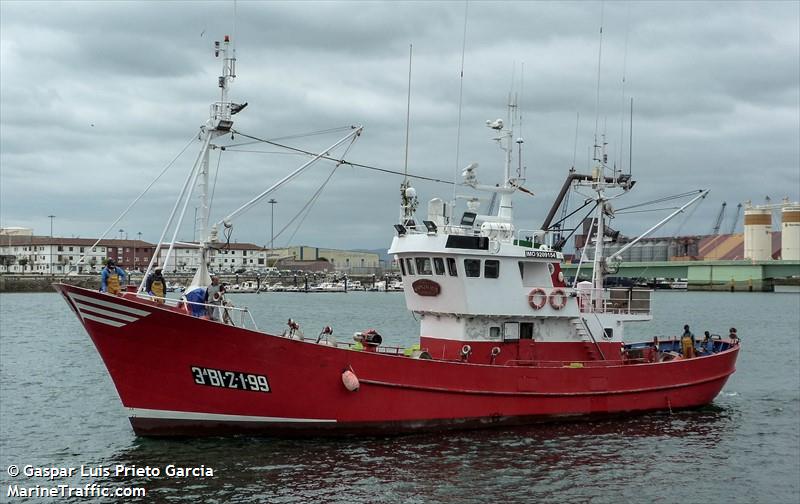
x=720, y=216
x=736, y=218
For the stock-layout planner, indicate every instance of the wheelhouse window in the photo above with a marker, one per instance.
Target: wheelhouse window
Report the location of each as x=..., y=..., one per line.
x=402, y=267
x=424, y=266
x=491, y=268
x=472, y=267
x=409, y=266
x=494, y=332
x=451, y=267
x=438, y=265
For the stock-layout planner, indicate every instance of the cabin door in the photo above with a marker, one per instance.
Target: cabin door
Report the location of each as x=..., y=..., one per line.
x=526, y=349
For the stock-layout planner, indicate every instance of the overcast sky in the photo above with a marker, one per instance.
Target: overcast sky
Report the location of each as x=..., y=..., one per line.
x=97, y=97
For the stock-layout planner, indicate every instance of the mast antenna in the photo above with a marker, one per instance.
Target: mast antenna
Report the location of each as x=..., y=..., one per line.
x=408, y=113
x=575, y=146
x=460, y=101
x=622, y=103
x=408, y=196
x=597, y=99
x=521, y=139
x=630, y=142
x=234, y=29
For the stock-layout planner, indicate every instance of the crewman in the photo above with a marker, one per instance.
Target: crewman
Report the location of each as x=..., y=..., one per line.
x=687, y=343
x=194, y=300
x=156, y=286
x=214, y=294
x=112, y=278
x=733, y=336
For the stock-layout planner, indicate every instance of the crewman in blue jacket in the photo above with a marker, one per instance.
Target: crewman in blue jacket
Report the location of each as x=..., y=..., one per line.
x=112, y=278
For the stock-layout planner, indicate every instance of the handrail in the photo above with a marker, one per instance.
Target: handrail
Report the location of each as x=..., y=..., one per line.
x=586, y=326
x=174, y=303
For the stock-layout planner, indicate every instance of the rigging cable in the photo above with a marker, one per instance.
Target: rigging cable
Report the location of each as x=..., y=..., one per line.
x=309, y=205
x=296, y=135
x=125, y=212
x=342, y=161
x=687, y=217
x=216, y=174
x=659, y=200
x=644, y=211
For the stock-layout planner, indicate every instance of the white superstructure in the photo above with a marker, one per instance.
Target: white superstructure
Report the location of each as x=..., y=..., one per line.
x=476, y=278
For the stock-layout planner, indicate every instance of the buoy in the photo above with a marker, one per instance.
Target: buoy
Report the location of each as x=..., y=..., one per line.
x=350, y=380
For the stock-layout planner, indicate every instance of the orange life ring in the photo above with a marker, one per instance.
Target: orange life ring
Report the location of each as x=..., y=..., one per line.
x=558, y=299
x=532, y=298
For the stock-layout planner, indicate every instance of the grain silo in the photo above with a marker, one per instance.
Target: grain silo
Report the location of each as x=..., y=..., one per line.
x=757, y=232
x=790, y=231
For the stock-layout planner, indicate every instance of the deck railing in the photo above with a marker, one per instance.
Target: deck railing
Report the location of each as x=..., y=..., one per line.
x=622, y=301
x=178, y=304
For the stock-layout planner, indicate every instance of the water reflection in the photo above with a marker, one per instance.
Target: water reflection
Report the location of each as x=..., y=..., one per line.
x=516, y=463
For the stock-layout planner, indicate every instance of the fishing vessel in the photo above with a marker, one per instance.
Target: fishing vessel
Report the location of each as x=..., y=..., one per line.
x=503, y=340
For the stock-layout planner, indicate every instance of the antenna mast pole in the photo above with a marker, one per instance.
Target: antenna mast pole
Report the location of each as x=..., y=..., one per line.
x=408, y=113
x=408, y=199
x=460, y=101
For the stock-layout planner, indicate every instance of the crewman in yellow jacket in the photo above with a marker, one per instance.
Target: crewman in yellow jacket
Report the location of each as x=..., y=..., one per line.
x=687, y=343
x=156, y=285
x=112, y=278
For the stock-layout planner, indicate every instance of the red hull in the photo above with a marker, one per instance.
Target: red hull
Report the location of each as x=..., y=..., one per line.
x=150, y=352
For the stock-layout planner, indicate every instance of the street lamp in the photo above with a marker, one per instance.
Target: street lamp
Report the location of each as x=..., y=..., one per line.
x=272, y=202
x=50, y=266
x=139, y=234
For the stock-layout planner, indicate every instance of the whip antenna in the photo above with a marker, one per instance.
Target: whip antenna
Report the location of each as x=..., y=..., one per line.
x=622, y=104
x=408, y=113
x=460, y=101
x=597, y=99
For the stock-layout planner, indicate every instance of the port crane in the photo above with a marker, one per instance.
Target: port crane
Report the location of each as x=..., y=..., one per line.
x=736, y=218
x=720, y=216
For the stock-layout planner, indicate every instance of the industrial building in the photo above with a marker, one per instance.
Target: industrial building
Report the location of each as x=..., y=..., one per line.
x=758, y=242
x=345, y=261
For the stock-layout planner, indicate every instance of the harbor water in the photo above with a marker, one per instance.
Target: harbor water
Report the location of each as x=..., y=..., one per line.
x=59, y=408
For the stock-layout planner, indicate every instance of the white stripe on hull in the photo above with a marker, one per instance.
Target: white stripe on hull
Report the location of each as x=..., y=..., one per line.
x=115, y=306
x=89, y=309
x=112, y=323
x=99, y=311
x=216, y=417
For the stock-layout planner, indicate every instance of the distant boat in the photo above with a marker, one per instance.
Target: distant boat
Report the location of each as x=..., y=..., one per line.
x=247, y=287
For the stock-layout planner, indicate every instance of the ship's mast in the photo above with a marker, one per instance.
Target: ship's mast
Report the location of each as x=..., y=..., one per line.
x=599, y=185
x=219, y=123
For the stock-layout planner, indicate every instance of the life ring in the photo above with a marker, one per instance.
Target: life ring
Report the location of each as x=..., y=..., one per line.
x=533, y=296
x=558, y=299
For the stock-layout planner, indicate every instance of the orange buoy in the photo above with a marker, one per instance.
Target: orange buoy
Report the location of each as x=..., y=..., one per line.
x=350, y=380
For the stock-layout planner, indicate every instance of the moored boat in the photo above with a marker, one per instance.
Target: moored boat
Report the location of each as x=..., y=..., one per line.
x=503, y=339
